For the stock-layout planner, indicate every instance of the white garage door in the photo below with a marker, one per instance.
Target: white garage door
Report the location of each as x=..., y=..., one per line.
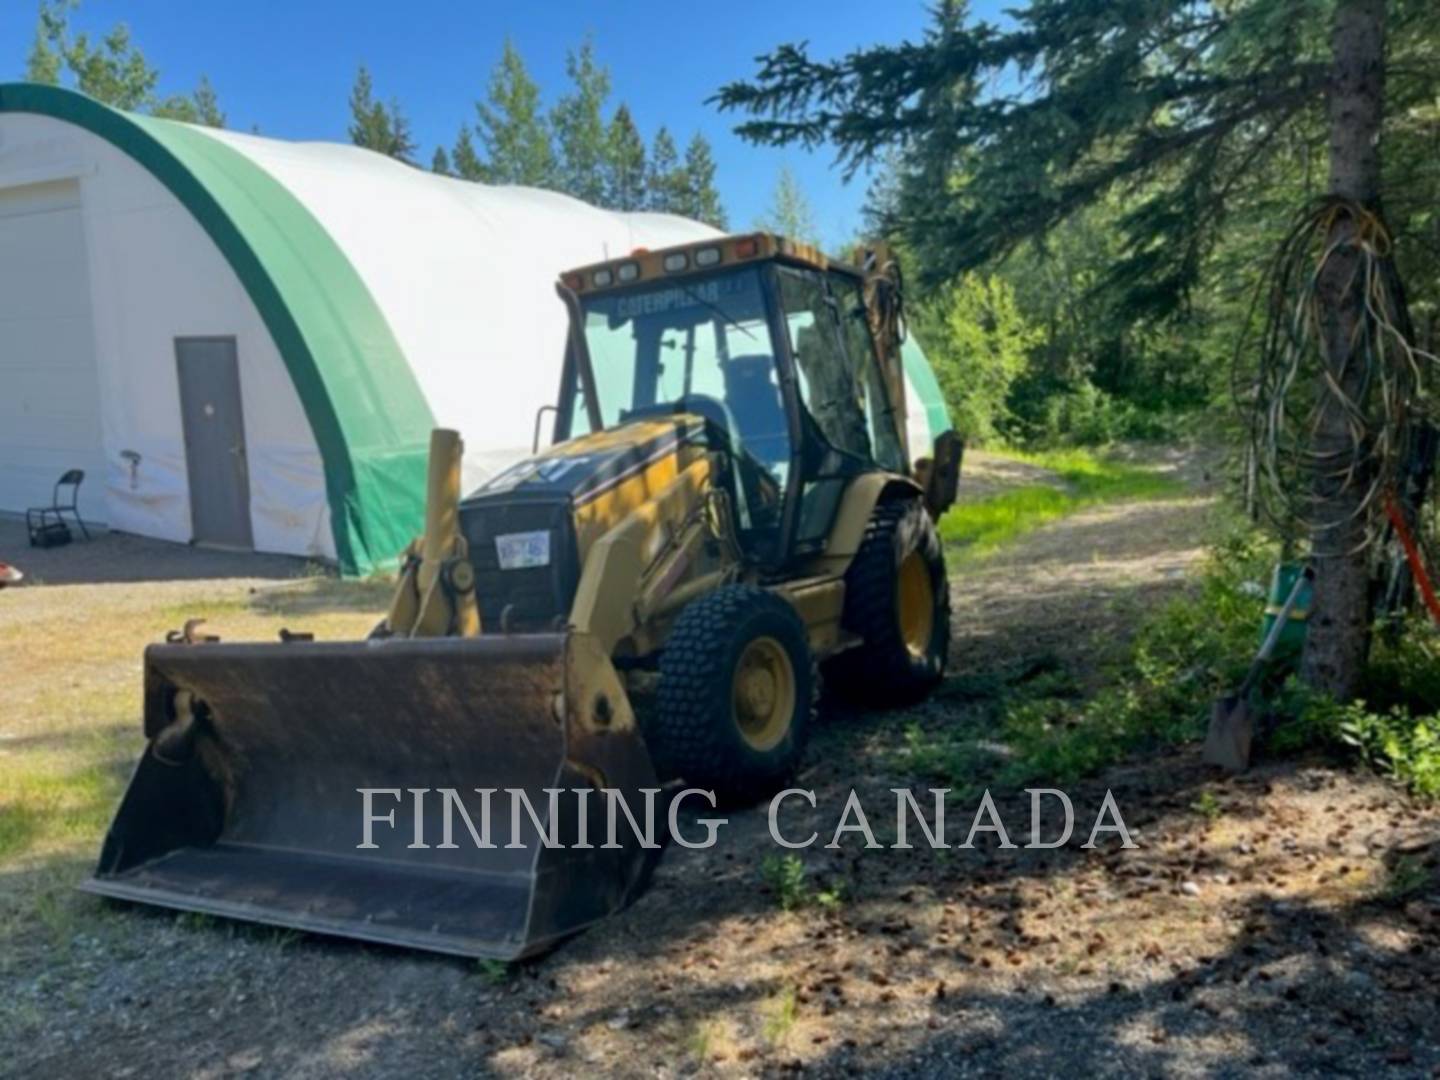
x=49, y=391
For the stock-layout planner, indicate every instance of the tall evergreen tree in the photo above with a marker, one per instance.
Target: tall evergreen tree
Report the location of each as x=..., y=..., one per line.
x=664, y=177
x=465, y=161
x=112, y=69
x=46, y=57
x=440, y=162
x=207, y=104
x=377, y=126
x=201, y=107
x=699, y=198
x=1182, y=106
x=512, y=128
x=624, y=163
x=789, y=213
x=579, y=127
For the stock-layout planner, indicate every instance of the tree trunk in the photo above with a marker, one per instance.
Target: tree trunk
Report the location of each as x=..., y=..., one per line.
x=1338, y=638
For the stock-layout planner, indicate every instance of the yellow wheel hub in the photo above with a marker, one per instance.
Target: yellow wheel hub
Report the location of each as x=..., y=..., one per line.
x=916, y=602
x=763, y=693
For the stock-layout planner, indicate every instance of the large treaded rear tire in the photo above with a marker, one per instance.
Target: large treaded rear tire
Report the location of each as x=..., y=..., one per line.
x=886, y=670
x=694, y=731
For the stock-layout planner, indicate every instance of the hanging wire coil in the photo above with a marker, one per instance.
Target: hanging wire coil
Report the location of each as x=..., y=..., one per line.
x=1290, y=389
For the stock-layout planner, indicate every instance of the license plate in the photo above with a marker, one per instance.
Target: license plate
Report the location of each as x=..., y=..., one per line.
x=520, y=551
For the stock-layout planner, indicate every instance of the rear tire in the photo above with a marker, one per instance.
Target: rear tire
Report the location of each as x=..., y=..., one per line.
x=736, y=696
x=897, y=598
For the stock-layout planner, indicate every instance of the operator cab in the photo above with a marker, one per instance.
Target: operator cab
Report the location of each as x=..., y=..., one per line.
x=772, y=347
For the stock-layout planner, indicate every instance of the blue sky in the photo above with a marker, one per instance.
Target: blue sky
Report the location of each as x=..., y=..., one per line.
x=288, y=67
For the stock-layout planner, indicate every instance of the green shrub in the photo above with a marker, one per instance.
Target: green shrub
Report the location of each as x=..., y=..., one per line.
x=1082, y=414
x=785, y=875
x=1405, y=669
x=1406, y=747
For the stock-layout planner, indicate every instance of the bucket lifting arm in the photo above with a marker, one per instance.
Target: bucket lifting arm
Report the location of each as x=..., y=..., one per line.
x=435, y=596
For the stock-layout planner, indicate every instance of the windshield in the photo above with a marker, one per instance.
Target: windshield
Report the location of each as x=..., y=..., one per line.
x=701, y=344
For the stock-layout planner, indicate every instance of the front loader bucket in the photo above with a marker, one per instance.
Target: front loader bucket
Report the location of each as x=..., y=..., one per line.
x=248, y=801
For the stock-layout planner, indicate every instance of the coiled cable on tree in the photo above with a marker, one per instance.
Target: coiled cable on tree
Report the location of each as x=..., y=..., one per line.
x=1292, y=387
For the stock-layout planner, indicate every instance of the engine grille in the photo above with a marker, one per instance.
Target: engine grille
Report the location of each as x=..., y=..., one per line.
x=538, y=598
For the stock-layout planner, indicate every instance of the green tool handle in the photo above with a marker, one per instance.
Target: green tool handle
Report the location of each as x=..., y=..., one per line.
x=1267, y=647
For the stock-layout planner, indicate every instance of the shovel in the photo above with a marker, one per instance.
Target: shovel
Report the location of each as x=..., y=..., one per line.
x=1227, y=743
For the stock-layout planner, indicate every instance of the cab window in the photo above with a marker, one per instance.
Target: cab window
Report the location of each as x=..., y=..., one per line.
x=699, y=345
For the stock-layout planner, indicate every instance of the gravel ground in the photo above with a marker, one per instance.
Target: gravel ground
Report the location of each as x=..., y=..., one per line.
x=1279, y=924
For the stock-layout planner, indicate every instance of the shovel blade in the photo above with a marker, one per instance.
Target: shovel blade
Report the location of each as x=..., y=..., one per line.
x=249, y=804
x=1227, y=743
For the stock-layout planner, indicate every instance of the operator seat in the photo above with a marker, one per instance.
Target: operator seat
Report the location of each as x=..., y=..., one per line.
x=754, y=402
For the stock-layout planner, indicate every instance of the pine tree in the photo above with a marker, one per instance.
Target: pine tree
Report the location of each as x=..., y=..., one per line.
x=465, y=161
x=207, y=104
x=46, y=56
x=112, y=70
x=511, y=128
x=201, y=107
x=440, y=162
x=789, y=213
x=664, y=178
x=699, y=198
x=580, y=130
x=376, y=126
x=624, y=163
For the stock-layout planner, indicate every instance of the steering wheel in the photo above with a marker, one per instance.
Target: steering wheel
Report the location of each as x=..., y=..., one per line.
x=762, y=490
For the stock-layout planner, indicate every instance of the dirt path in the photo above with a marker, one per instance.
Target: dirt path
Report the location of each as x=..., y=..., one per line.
x=1249, y=933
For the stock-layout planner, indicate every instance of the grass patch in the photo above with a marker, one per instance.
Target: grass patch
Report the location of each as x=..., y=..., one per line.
x=494, y=972
x=1085, y=481
x=49, y=803
x=1208, y=806
x=1406, y=878
x=781, y=1013
x=787, y=880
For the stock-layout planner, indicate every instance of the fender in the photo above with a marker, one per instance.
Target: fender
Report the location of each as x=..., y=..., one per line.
x=865, y=492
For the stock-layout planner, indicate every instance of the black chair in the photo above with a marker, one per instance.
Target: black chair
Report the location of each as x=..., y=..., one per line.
x=46, y=524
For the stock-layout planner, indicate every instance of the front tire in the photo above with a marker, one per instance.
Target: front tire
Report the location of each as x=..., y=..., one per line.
x=736, y=696
x=897, y=598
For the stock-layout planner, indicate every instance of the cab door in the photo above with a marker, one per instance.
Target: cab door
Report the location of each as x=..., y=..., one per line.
x=846, y=423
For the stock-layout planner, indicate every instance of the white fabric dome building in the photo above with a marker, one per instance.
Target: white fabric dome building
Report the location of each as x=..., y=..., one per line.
x=245, y=341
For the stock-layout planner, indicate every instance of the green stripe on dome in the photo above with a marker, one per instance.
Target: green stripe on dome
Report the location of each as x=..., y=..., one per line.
x=369, y=417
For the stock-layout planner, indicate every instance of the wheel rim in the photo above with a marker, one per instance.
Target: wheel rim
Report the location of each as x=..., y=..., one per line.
x=916, y=601
x=763, y=693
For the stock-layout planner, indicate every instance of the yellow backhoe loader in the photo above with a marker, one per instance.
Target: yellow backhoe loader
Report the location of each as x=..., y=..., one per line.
x=728, y=507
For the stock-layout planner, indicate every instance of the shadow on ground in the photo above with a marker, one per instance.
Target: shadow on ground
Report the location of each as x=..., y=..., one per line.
x=120, y=557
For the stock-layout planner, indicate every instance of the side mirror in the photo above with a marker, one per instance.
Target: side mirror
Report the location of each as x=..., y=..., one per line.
x=939, y=474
